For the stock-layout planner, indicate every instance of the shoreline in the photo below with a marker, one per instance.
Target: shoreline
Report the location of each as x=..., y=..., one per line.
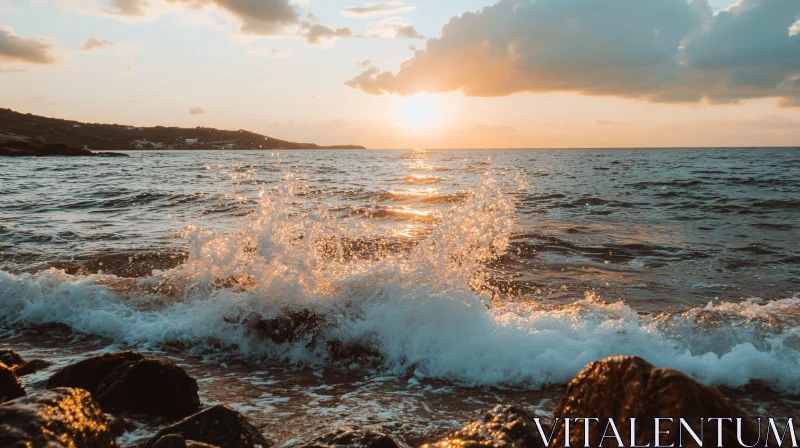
x=293, y=406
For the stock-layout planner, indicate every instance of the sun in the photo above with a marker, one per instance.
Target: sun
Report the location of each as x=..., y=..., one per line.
x=418, y=111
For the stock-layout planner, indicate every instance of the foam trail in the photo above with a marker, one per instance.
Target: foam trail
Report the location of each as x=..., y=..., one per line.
x=419, y=310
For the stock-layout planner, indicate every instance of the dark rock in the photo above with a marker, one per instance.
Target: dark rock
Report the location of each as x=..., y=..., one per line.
x=150, y=386
x=625, y=387
x=292, y=326
x=177, y=441
x=196, y=444
x=133, y=264
x=10, y=387
x=503, y=426
x=10, y=358
x=354, y=351
x=32, y=366
x=55, y=418
x=110, y=154
x=218, y=425
x=89, y=373
x=129, y=381
x=347, y=436
x=119, y=425
x=171, y=441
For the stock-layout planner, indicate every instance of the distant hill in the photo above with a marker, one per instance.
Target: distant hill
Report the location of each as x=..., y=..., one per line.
x=104, y=137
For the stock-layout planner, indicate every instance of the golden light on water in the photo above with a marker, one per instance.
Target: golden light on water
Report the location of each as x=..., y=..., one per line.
x=416, y=192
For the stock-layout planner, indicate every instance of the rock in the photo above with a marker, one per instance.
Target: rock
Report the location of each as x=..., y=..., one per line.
x=347, y=436
x=509, y=426
x=10, y=387
x=624, y=387
x=89, y=373
x=118, y=425
x=177, y=441
x=32, y=366
x=292, y=326
x=150, y=386
x=171, y=441
x=130, y=382
x=55, y=418
x=218, y=425
x=10, y=358
x=128, y=264
x=195, y=444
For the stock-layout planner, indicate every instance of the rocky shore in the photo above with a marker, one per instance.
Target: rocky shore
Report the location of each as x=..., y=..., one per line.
x=12, y=145
x=93, y=402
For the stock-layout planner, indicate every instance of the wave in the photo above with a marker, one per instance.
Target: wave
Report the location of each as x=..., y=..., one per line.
x=418, y=312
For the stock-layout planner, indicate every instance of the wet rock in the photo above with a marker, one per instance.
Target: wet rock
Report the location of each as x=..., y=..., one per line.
x=32, y=366
x=292, y=326
x=130, y=382
x=10, y=358
x=503, y=426
x=625, y=387
x=352, y=351
x=177, y=441
x=218, y=425
x=129, y=264
x=89, y=373
x=10, y=387
x=347, y=436
x=55, y=418
x=242, y=282
x=118, y=425
x=195, y=444
x=150, y=386
x=171, y=441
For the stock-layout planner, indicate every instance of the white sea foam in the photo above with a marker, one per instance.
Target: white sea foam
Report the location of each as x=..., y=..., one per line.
x=419, y=310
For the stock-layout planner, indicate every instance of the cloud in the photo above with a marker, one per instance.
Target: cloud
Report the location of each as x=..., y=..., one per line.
x=317, y=34
x=377, y=9
x=127, y=8
x=408, y=32
x=794, y=30
x=364, y=63
x=93, y=43
x=197, y=111
x=258, y=17
x=18, y=49
x=656, y=50
x=393, y=28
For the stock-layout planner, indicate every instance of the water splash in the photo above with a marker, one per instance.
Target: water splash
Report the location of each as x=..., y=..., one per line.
x=417, y=311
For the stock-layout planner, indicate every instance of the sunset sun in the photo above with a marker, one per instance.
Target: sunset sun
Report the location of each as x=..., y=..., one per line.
x=418, y=111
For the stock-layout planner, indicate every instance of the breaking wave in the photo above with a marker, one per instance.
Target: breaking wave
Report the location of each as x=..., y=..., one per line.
x=295, y=284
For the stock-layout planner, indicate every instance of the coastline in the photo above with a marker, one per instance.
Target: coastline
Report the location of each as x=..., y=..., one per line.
x=115, y=137
x=294, y=407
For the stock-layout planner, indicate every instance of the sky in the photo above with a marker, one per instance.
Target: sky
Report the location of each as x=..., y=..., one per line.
x=416, y=73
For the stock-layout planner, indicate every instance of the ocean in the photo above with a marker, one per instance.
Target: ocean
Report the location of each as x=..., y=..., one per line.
x=430, y=284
